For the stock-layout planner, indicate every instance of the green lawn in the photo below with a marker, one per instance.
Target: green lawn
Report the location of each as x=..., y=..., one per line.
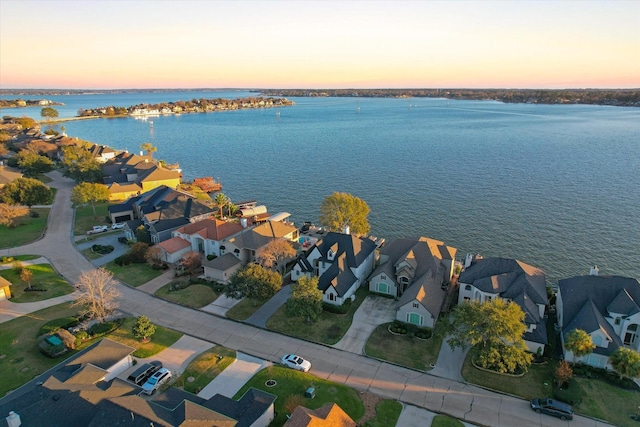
x=85, y=219
x=290, y=383
x=43, y=276
x=244, y=309
x=162, y=339
x=90, y=254
x=194, y=296
x=387, y=414
x=133, y=274
x=445, y=421
x=329, y=328
x=27, y=229
x=404, y=350
x=20, y=359
x=11, y=259
x=204, y=368
x=599, y=399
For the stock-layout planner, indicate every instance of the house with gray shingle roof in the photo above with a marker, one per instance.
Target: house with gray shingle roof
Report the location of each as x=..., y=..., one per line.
x=341, y=261
x=605, y=307
x=416, y=271
x=489, y=278
x=83, y=392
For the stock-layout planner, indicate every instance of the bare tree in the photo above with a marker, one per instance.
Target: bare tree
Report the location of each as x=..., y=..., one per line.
x=98, y=293
x=275, y=254
x=8, y=213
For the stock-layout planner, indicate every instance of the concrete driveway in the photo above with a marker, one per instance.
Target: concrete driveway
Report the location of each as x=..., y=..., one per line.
x=374, y=310
x=234, y=377
x=449, y=364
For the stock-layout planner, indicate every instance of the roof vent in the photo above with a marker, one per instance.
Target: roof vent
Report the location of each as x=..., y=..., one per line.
x=594, y=271
x=13, y=420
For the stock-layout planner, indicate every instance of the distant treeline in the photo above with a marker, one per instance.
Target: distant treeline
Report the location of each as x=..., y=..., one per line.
x=18, y=103
x=617, y=97
x=193, y=106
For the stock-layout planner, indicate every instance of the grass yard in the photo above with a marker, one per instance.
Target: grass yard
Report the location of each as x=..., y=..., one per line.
x=445, y=421
x=328, y=329
x=194, y=296
x=163, y=338
x=294, y=383
x=133, y=274
x=85, y=220
x=205, y=367
x=11, y=259
x=387, y=414
x=599, y=399
x=43, y=276
x=27, y=229
x=20, y=359
x=404, y=350
x=244, y=309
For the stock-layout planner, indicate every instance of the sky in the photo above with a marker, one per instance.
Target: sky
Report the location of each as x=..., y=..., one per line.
x=94, y=44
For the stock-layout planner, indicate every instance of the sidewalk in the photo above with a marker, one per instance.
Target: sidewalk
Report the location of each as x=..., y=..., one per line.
x=154, y=284
x=221, y=305
x=41, y=260
x=12, y=310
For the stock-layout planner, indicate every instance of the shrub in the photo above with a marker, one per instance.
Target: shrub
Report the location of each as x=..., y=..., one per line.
x=100, y=329
x=55, y=324
x=211, y=256
x=7, y=259
x=123, y=260
x=81, y=337
x=337, y=309
x=123, y=240
x=34, y=214
x=138, y=252
x=67, y=338
x=572, y=394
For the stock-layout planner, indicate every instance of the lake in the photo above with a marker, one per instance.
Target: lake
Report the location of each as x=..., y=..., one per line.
x=556, y=186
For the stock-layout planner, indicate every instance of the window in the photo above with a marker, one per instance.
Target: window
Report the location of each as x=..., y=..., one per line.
x=631, y=336
x=467, y=288
x=415, y=305
x=383, y=277
x=332, y=297
x=414, y=319
x=487, y=298
x=382, y=288
x=467, y=299
x=617, y=321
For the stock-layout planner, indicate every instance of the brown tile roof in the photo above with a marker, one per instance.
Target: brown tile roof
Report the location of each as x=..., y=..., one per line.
x=174, y=244
x=213, y=229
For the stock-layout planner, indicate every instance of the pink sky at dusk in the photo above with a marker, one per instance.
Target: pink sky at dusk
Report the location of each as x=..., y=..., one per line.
x=294, y=44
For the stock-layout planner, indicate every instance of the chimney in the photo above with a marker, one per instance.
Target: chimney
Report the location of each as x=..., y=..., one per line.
x=468, y=260
x=346, y=230
x=594, y=271
x=243, y=222
x=141, y=153
x=13, y=420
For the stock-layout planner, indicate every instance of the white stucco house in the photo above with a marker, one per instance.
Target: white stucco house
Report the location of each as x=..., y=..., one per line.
x=489, y=278
x=416, y=271
x=605, y=307
x=341, y=261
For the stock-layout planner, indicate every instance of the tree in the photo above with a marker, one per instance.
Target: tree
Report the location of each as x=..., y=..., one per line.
x=149, y=148
x=143, y=235
x=80, y=165
x=341, y=210
x=221, y=200
x=98, y=293
x=26, y=275
x=579, y=343
x=255, y=282
x=625, y=362
x=191, y=262
x=87, y=192
x=306, y=299
x=496, y=328
x=8, y=213
x=154, y=256
x=33, y=163
x=143, y=329
x=138, y=252
x=26, y=191
x=49, y=113
x=563, y=373
x=275, y=254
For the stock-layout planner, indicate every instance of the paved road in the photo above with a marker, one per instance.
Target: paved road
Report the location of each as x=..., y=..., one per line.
x=463, y=401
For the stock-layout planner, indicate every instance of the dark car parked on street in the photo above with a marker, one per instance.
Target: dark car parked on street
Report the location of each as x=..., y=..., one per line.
x=552, y=407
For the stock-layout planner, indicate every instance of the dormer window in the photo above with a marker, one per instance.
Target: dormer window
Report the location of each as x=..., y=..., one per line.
x=616, y=321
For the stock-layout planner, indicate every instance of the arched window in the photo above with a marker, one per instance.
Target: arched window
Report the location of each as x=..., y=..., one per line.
x=467, y=287
x=631, y=336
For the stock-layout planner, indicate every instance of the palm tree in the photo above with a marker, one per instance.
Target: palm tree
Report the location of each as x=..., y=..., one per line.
x=149, y=148
x=221, y=200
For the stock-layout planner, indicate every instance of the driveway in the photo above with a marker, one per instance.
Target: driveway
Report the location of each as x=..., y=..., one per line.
x=260, y=317
x=412, y=416
x=110, y=238
x=449, y=364
x=233, y=377
x=221, y=305
x=374, y=310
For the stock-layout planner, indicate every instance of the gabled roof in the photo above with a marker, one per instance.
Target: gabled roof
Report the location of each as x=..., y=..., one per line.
x=174, y=245
x=357, y=249
x=509, y=278
x=212, y=229
x=427, y=291
x=329, y=415
x=223, y=263
x=590, y=320
x=623, y=304
x=338, y=275
x=256, y=237
x=7, y=176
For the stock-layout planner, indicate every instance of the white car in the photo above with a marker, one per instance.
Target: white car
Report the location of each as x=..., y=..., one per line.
x=156, y=380
x=98, y=229
x=117, y=225
x=296, y=362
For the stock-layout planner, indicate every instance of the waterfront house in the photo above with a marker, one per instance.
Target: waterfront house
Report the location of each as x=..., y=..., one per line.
x=341, y=261
x=125, y=172
x=246, y=243
x=485, y=279
x=418, y=272
x=203, y=236
x=605, y=307
x=102, y=153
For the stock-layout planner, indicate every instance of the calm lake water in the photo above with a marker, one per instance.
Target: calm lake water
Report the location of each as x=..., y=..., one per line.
x=556, y=186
